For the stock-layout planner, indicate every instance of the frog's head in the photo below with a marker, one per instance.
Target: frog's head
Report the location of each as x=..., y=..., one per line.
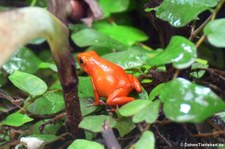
x=87, y=61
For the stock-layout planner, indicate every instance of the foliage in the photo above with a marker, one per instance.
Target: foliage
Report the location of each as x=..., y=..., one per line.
x=176, y=91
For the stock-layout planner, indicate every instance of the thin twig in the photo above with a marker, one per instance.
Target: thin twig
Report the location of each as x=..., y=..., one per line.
x=213, y=16
x=200, y=28
x=210, y=134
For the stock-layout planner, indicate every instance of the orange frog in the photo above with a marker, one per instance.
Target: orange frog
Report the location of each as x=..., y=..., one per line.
x=108, y=79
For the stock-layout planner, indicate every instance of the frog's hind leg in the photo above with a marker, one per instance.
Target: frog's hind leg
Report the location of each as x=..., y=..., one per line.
x=136, y=83
x=118, y=97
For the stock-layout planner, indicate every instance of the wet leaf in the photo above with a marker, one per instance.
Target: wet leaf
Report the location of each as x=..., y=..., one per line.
x=48, y=103
x=85, y=88
x=113, y=6
x=180, y=12
x=125, y=34
x=16, y=119
x=215, y=32
x=91, y=37
x=133, y=107
x=156, y=91
x=45, y=65
x=131, y=58
x=180, y=51
x=95, y=123
x=28, y=83
x=149, y=114
x=124, y=126
x=82, y=144
x=147, y=141
x=48, y=129
x=188, y=102
x=83, y=105
x=23, y=60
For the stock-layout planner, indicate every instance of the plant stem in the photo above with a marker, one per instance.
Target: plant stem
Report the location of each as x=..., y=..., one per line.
x=20, y=26
x=213, y=16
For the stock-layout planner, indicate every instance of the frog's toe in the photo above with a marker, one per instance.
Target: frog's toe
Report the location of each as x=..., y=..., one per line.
x=102, y=103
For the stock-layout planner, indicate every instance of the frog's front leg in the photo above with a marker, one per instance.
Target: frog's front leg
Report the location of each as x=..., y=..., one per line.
x=97, y=100
x=118, y=97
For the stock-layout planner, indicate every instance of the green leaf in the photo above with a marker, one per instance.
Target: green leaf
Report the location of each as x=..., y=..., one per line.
x=85, y=88
x=143, y=94
x=3, y=78
x=45, y=137
x=147, y=141
x=95, y=123
x=200, y=73
x=23, y=60
x=180, y=12
x=149, y=114
x=156, y=91
x=49, y=103
x=91, y=37
x=48, y=129
x=85, y=144
x=133, y=107
x=180, y=51
x=29, y=83
x=215, y=32
x=16, y=119
x=124, y=126
x=113, y=6
x=188, y=102
x=45, y=65
x=131, y=58
x=114, y=31
x=83, y=105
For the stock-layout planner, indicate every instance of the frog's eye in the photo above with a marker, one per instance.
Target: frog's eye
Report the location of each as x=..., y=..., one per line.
x=81, y=61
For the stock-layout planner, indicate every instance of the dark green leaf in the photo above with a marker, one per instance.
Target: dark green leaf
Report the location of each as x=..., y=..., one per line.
x=23, y=60
x=215, y=32
x=131, y=58
x=3, y=78
x=121, y=32
x=180, y=12
x=85, y=88
x=133, y=107
x=85, y=144
x=188, y=102
x=28, y=83
x=48, y=129
x=56, y=85
x=196, y=65
x=143, y=94
x=16, y=119
x=124, y=126
x=91, y=37
x=180, y=51
x=147, y=141
x=83, y=105
x=95, y=123
x=45, y=65
x=156, y=91
x=112, y=6
x=48, y=103
x=149, y=114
